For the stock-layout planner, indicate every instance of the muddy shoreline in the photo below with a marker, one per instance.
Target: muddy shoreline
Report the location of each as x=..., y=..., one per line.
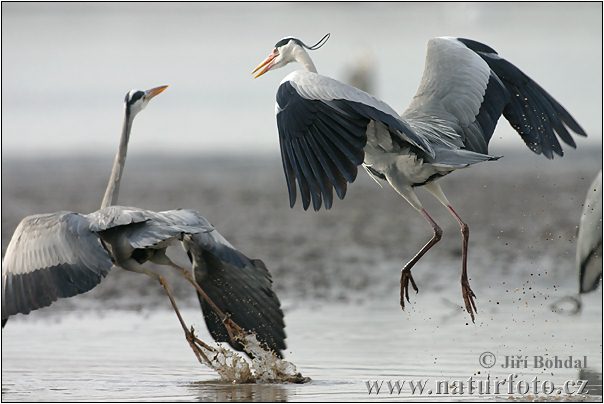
x=521, y=209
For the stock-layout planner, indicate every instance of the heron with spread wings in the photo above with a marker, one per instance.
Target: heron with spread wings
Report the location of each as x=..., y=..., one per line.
x=327, y=129
x=64, y=254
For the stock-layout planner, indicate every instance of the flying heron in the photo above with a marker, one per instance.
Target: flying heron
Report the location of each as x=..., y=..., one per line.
x=64, y=254
x=327, y=129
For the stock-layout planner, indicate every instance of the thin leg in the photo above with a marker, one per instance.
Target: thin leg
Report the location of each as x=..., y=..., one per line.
x=408, y=193
x=406, y=276
x=466, y=291
x=235, y=332
x=193, y=341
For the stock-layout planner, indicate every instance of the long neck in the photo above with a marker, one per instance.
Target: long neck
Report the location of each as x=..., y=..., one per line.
x=302, y=57
x=113, y=186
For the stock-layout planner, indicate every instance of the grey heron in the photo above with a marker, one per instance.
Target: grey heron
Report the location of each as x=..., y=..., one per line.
x=64, y=254
x=327, y=129
x=588, y=258
x=589, y=240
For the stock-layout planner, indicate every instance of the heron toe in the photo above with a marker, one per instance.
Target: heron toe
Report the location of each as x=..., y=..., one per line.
x=406, y=278
x=468, y=298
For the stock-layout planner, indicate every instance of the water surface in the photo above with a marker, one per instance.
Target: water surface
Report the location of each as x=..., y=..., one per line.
x=126, y=355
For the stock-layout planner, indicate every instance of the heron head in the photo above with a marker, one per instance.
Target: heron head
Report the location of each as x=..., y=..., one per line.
x=137, y=100
x=285, y=52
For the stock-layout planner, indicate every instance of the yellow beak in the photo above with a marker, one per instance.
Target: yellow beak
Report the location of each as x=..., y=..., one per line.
x=154, y=91
x=265, y=66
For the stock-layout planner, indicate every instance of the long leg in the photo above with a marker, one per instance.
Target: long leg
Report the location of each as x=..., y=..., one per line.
x=233, y=329
x=406, y=276
x=194, y=342
x=466, y=291
x=407, y=192
x=235, y=332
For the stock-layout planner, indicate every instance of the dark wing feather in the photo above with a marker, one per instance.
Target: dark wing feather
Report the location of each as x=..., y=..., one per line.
x=321, y=144
x=51, y=256
x=322, y=131
x=467, y=86
x=532, y=111
x=239, y=286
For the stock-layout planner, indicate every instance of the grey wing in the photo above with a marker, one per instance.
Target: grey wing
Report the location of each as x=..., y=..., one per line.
x=116, y=216
x=589, y=240
x=165, y=227
x=51, y=256
x=239, y=286
x=322, y=127
x=467, y=86
x=148, y=229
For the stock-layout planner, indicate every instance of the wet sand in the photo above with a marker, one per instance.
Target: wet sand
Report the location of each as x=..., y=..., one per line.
x=336, y=272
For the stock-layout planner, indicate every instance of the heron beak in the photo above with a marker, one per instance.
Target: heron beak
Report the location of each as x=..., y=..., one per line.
x=265, y=66
x=154, y=91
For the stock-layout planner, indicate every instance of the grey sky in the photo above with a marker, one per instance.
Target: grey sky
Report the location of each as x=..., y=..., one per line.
x=66, y=67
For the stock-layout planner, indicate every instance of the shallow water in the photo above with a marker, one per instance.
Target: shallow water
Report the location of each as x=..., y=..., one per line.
x=127, y=355
x=336, y=273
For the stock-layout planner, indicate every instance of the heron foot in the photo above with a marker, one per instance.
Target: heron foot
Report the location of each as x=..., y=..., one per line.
x=406, y=278
x=192, y=339
x=468, y=298
x=235, y=332
x=200, y=348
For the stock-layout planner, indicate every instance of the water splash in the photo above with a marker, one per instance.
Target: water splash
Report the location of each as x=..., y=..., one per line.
x=231, y=367
x=268, y=367
x=265, y=367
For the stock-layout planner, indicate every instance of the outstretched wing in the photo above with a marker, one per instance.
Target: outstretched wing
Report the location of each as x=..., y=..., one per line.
x=51, y=256
x=239, y=286
x=322, y=127
x=466, y=87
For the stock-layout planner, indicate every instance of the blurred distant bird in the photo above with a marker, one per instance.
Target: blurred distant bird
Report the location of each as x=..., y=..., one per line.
x=589, y=250
x=589, y=241
x=361, y=73
x=64, y=254
x=327, y=128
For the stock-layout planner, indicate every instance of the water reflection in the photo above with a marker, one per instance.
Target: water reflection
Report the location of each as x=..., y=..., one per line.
x=217, y=391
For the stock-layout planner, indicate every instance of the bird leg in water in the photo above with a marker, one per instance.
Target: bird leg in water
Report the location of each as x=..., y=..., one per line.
x=406, y=276
x=466, y=291
x=233, y=329
x=195, y=343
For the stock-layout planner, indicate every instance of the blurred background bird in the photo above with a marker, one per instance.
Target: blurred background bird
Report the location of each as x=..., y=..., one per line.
x=589, y=239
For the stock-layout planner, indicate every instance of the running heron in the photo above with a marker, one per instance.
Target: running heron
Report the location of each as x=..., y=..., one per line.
x=64, y=254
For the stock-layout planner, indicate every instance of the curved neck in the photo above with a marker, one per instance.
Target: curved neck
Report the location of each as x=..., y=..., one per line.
x=113, y=186
x=302, y=57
